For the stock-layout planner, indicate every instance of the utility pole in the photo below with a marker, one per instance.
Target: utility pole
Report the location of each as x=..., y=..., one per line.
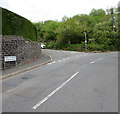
x=113, y=19
x=85, y=41
x=118, y=14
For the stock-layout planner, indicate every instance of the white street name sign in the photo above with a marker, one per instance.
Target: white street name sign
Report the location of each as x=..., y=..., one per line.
x=9, y=58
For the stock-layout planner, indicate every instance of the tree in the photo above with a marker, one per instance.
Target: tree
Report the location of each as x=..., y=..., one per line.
x=69, y=32
x=104, y=34
x=39, y=27
x=98, y=14
x=86, y=22
x=46, y=30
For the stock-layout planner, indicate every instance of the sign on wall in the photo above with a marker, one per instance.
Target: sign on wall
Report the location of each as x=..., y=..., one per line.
x=9, y=58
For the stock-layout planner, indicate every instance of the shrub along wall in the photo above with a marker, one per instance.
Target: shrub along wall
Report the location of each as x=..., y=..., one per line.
x=13, y=24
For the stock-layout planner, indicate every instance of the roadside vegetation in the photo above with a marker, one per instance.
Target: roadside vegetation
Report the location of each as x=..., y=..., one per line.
x=13, y=24
x=99, y=29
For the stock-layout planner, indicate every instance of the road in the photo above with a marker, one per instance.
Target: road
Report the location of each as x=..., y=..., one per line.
x=72, y=82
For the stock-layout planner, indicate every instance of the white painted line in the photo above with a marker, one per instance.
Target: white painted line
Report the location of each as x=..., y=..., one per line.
x=51, y=63
x=96, y=61
x=59, y=61
x=53, y=92
x=63, y=59
x=68, y=58
x=92, y=62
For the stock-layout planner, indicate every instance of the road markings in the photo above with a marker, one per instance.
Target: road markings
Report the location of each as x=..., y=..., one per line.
x=53, y=92
x=58, y=61
x=96, y=61
x=92, y=62
x=64, y=59
x=68, y=58
x=51, y=63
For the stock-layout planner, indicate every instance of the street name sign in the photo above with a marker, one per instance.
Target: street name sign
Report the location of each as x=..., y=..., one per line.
x=9, y=58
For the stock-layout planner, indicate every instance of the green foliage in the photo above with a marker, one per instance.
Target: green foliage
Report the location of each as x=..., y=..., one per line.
x=95, y=47
x=46, y=30
x=69, y=34
x=119, y=25
x=13, y=24
x=98, y=14
x=76, y=47
x=0, y=21
x=54, y=45
x=86, y=23
x=104, y=34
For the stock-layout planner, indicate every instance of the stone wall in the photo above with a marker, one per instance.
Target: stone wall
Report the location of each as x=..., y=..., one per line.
x=24, y=50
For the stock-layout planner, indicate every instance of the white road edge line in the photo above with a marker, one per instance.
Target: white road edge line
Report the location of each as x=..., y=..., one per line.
x=96, y=61
x=53, y=92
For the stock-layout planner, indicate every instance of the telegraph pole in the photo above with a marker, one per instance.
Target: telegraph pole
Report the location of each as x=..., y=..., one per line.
x=118, y=14
x=113, y=19
x=85, y=41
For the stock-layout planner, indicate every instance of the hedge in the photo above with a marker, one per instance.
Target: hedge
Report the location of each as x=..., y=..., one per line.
x=13, y=24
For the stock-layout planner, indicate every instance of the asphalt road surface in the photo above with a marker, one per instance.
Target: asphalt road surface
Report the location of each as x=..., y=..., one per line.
x=72, y=82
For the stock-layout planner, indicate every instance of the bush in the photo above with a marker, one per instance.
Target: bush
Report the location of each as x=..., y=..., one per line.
x=95, y=47
x=80, y=47
x=75, y=47
x=55, y=45
x=13, y=24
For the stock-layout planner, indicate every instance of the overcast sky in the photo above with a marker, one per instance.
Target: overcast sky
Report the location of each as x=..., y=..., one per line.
x=42, y=10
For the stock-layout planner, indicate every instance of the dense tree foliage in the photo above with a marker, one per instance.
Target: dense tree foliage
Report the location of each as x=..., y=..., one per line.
x=46, y=30
x=13, y=24
x=100, y=28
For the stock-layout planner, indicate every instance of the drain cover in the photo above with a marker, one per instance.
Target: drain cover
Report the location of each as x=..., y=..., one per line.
x=13, y=85
x=24, y=77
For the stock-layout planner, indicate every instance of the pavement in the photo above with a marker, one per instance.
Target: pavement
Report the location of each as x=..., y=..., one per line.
x=44, y=59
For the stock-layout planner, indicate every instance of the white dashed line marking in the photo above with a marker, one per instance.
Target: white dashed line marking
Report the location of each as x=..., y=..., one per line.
x=92, y=62
x=96, y=61
x=59, y=60
x=51, y=63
